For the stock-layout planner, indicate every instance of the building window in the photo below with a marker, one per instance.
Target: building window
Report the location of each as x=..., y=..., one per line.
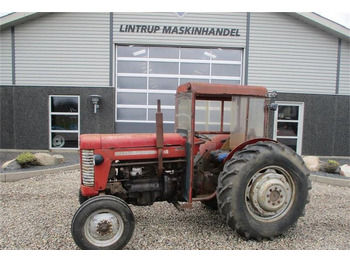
x=288, y=124
x=64, y=122
x=148, y=73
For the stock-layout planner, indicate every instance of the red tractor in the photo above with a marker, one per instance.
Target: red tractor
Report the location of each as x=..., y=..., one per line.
x=219, y=155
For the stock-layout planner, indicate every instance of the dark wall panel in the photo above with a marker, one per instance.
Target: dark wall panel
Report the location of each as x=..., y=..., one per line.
x=24, y=115
x=25, y=124
x=6, y=118
x=318, y=125
x=326, y=123
x=342, y=125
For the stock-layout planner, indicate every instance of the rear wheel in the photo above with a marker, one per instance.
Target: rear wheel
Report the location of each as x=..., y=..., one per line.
x=263, y=190
x=103, y=222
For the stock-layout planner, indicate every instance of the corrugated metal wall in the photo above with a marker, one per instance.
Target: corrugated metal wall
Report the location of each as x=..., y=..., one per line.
x=63, y=49
x=285, y=54
x=212, y=20
x=344, y=76
x=5, y=58
x=288, y=55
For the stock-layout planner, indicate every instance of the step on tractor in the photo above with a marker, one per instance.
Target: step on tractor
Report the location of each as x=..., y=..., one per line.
x=219, y=155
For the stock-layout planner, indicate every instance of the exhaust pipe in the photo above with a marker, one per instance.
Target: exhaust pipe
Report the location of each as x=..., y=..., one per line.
x=159, y=138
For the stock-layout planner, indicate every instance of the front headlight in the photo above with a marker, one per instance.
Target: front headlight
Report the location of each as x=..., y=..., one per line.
x=98, y=159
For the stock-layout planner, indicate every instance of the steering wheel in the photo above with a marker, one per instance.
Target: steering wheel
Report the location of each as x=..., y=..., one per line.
x=201, y=136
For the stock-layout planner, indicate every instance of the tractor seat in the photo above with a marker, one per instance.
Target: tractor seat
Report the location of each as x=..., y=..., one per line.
x=219, y=155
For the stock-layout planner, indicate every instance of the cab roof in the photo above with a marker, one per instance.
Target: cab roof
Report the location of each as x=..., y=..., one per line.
x=220, y=91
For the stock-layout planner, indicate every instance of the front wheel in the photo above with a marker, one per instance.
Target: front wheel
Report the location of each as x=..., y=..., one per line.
x=103, y=222
x=263, y=190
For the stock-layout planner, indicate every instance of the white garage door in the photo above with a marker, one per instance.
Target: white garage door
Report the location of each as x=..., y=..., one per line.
x=147, y=73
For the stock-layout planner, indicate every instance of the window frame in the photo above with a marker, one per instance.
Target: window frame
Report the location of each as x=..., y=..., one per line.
x=299, y=121
x=63, y=131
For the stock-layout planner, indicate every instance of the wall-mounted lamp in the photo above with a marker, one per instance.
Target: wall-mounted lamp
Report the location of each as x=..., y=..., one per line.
x=272, y=94
x=95, y=99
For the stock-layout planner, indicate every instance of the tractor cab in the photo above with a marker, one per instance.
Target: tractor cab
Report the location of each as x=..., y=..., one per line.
x=215, y=119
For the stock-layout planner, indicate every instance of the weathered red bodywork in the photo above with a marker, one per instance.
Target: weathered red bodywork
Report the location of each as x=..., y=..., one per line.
x=120, y=141
x=127, y=147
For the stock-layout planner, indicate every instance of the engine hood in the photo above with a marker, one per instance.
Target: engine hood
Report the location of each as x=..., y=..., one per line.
x=116, y=141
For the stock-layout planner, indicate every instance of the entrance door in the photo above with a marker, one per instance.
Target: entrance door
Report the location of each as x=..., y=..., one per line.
x=288, y=124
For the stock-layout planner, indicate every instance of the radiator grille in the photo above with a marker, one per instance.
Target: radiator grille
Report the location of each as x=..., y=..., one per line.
x=88, y=174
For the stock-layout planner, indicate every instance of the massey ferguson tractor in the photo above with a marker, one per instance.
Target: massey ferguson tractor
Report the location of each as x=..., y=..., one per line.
x=219, y=155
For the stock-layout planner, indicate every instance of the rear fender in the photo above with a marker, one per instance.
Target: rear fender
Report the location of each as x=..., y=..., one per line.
x=243, y=145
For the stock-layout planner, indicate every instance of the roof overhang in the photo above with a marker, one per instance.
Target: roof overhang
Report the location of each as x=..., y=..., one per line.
x=14, y=19
x=324, y=24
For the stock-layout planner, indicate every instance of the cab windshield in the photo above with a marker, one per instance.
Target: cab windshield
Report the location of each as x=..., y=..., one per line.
x=242, y=118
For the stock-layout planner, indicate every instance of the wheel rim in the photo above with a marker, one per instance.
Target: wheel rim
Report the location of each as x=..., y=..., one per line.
x=103, y=228
x=270, y=194
x=58, y=141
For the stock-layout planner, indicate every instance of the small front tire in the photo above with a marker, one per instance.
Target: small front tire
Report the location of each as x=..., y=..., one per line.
x=103, y=222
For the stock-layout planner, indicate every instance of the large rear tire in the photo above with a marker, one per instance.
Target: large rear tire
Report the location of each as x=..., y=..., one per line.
x=103, y=222
x=263, y=190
